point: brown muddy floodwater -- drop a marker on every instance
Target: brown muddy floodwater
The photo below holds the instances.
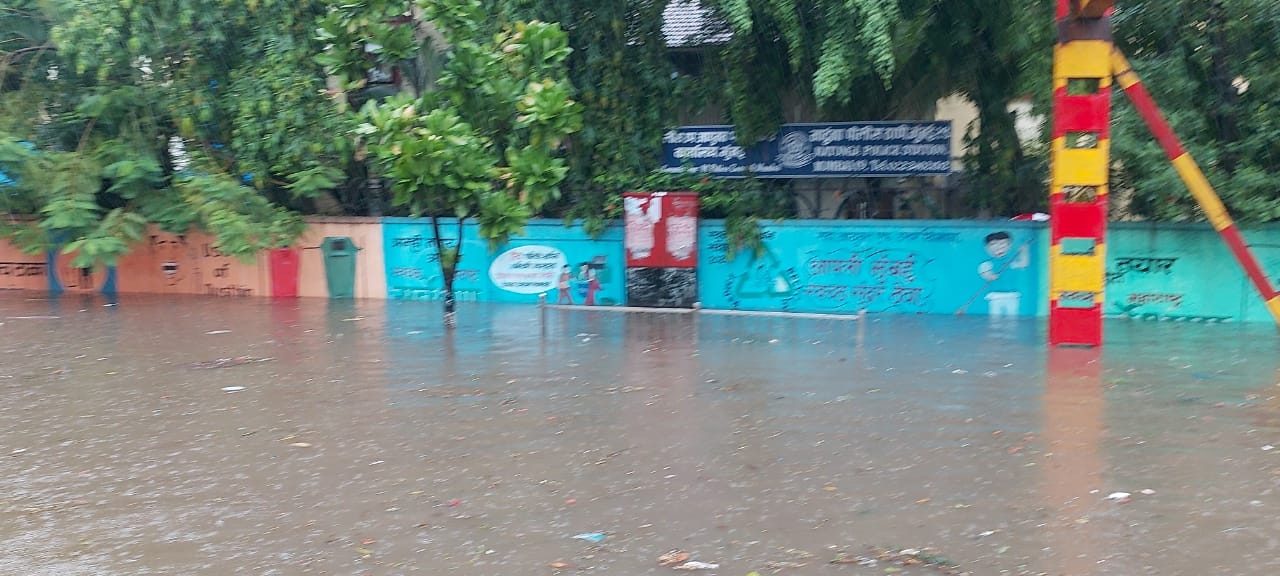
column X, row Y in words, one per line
column 145, row 438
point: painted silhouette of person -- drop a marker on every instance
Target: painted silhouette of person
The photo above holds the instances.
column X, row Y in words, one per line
column 564, row 286
column 590, row 284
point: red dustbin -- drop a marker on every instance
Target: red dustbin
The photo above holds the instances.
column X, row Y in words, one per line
column 285, row 263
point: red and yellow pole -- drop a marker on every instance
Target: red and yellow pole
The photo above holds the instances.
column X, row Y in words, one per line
column 1195, row 180
column 1081, row 159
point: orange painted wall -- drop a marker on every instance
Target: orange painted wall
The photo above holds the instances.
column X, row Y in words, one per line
column 20, row 271
column 164, row 263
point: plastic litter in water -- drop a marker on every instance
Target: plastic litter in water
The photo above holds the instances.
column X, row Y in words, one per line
column 696, row 565
column 232, row 388
column 592, row 537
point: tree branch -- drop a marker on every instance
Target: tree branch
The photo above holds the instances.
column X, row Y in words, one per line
column 29, row 50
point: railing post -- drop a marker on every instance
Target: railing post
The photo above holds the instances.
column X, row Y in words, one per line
column 542, row 313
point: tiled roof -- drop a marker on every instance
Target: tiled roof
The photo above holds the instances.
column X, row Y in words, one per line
column 687, row 23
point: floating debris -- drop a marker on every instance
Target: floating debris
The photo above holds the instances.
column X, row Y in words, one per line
column 912, row 557
column 232, row 388
column 846, row 558
column 674, row 557
column 696, row 565
column 228, row 362
column 1120, row 497
column 592, row 537
column 680, row 560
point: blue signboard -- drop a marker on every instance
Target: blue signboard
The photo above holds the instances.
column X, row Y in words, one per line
column 847, row 149
column 921, row 267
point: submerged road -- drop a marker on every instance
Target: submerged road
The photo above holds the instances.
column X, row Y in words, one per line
column 248, row 436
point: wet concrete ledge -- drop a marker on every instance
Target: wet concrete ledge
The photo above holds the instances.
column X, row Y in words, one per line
column 699, row 310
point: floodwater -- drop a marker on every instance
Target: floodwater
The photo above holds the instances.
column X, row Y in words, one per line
column 365, row 442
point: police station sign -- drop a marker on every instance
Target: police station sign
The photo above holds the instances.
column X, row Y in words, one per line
column 846, row 149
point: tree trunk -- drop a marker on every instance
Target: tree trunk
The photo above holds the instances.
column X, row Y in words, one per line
column 1223, row 112
column 448, row 269
column 450, row 309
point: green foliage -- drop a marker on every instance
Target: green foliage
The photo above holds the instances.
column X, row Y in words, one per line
column 1210, row 67
column 874, row 60
column 439, row 165
column 243, row 221
column 161, row 113
column 743, row 203
column 628, row 91
column 833, row 50
column 484, row 142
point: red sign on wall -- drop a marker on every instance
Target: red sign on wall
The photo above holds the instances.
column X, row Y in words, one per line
column 662, row 229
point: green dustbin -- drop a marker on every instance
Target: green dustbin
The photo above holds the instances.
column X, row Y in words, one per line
column 340, row 266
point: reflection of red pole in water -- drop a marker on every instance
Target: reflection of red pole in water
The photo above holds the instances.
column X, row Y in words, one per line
column 1073, row 428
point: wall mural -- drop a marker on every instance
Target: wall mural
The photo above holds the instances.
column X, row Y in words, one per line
column 189, row 264
column 566, row 264
column 19, row 271
column 924, row 267
column 1183, row 273
column 1154, row 272
column 413, row 263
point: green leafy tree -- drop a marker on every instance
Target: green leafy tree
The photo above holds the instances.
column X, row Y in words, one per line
column 877, row 60
column 1211, row 67
column 184, row 113
column 485, row 140
column 843, row 55
column 629, row 91
column 992, row 52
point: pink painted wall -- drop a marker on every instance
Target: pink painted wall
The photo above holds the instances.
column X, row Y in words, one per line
column 365, row 233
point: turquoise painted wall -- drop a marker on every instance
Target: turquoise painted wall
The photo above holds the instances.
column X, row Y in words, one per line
column 1179, row 272
column 546, row 258
column 930, row 267
column 1184, row 272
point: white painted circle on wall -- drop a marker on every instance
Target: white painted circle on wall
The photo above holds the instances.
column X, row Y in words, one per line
column 528, row 269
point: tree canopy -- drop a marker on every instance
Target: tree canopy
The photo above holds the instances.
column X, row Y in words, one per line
column 485, row 141
column 115, row 114
column 185, row 113
column 1210, row 66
